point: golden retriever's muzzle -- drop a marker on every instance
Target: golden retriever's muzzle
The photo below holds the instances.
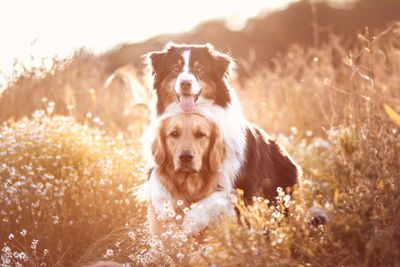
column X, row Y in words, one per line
column 185, row 162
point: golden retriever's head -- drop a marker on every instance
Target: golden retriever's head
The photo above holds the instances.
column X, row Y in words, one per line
column 189, row 143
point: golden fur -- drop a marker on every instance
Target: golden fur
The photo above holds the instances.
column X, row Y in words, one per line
column 193, row 182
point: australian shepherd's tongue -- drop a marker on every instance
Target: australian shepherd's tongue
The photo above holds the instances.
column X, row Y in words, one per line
column 186, row 102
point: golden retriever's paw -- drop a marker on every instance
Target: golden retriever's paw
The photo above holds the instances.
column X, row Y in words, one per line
column 195, row 220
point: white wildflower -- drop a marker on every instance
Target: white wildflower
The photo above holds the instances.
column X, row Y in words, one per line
column 34, row 244
column 131, row 235
column 23, row 232
column 109, row 253
column 186, row 210
column 46, row 252
column 56, row 219
column 171, row 213
column 6, row 249
column 48, row 176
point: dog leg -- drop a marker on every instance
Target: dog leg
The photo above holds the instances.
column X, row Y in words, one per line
column 155, row 225
column 160, row 197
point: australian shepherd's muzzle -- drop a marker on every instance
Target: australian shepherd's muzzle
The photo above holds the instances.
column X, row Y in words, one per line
column 195, row 78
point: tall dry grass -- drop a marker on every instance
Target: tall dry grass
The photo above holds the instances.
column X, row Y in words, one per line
column 78, row 87
column 63, row 186
column 64, row 179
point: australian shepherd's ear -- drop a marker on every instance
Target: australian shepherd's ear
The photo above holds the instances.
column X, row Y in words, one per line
column 224, row 64
column 217, row 152
column 158, row 147
column 154, row 60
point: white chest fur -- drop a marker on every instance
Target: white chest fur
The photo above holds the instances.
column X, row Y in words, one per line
column 232, row 125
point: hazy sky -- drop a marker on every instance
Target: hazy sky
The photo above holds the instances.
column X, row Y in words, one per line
column 44, row 28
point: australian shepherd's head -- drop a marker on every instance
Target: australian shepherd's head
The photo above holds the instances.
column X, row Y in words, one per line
column 190, row 74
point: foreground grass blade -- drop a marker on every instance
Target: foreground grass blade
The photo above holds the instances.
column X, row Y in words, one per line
column 393, row 115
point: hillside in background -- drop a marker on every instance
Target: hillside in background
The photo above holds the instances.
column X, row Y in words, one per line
column 83, row 77
column 264, row 36
column 79, row 82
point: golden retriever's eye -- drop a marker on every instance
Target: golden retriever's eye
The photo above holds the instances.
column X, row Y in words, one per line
column 199, row 134
column 176, row 68
column 174, row 134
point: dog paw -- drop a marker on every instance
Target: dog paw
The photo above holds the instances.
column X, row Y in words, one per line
column 192, row 227
column 195, row 220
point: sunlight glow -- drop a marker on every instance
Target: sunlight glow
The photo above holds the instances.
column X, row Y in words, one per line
column 46, row 28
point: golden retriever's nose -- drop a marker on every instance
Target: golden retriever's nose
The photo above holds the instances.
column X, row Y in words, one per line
column 186, row 156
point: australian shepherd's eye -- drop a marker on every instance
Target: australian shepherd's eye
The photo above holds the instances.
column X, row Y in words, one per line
column 176, row 68
column 174, row 134
column 199, row 70
column 200, row 134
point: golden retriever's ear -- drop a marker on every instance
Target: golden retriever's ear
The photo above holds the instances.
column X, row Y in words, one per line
column 158, row 147
column 217, row 149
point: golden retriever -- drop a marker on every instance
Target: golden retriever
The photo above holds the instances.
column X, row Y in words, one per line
column 188, row 151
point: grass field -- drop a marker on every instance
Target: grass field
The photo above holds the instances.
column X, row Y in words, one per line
column 70, row 159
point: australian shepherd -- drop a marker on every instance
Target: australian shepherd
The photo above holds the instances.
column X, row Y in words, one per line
column 196, row 79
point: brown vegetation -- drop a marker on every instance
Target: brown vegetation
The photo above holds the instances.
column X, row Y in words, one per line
column 65, row 180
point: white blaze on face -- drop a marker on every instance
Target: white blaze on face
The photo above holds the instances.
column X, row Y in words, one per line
column 186, row 59
column 187, row 98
